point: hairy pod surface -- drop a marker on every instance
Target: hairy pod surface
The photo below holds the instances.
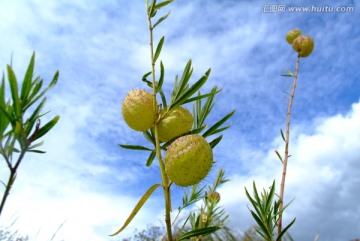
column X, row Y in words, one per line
column 174, row 122
column 292, row 35
column 188, row 160
column 304, row 45
column 138, row 110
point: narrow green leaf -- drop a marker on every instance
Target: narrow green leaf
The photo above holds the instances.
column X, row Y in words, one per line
column 151, row 158
column 47, row 127
column 34, row 116
column 220, row 130
column 199, row 232
column 198, row 130
column 149, row 135
column 37, row 151
column 285, row 230
column 2, row 91
column 256, row 195
column 282, row 134
column 191, row 90
column 14, row 92
column 161, row 79
column 216, row 141
column 279, row 156
column 161, row 20
column 138, row 206
column 218, row 124
column 35, row 88
column 162, row 4
column 35, row 98
column 26, row 85
column 158, row 48
column 151, row 9
column 135, row 147
column 144, row 79
column 5, row 117
column 36, row 145
column 163, row 99
column 200, row 97
column 253, row 202
column 183, row 84
column 270, row 198
column 265, row 231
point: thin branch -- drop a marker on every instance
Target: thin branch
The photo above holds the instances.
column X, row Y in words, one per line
column 165, row 179
column 287, row 140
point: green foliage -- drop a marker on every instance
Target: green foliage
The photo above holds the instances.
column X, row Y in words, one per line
column 19, row 129
column 210, row 217
column 267, row 213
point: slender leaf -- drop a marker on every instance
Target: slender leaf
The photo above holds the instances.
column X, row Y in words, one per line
column 162, row 4
column 285, row 230
column 5, row 117
column 282, row 134
column 216, row 141
column 201, row 97
column 35, row 88
column 14, row 92
column 220, row 130
column 270, row 197
column 191, row 90
column 26, row 85
column 161, row 79
column 149, row 135
column 163, row 98
column 161, row 19
column 158, row 48
column 198, row 130
column 35, row 98
column 138, row 206
column 183, row 84
column 135, row 147
column 37, row 151
column 279, row 156
column 265, row 231
column 34, row 116
column 218, row 124
column 47, row 127
column 151, row 9
column 151, row 158
column 144, row 79
column 36, row 145
column 199, row 232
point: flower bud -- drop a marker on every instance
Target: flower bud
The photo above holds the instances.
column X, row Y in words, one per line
column 214, row 197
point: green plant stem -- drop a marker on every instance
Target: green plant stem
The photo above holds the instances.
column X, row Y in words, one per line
column 165, row 179
column 287, row 140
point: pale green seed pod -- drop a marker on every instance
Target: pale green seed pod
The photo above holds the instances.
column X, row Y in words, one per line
column 292, row 35
column 304, row 45
column 138, row 110
column 188, row 160
column 174, row 122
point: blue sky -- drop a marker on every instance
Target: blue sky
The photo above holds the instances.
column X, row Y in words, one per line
column 101, row 50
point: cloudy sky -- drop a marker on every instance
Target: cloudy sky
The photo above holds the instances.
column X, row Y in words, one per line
column 88, row 184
